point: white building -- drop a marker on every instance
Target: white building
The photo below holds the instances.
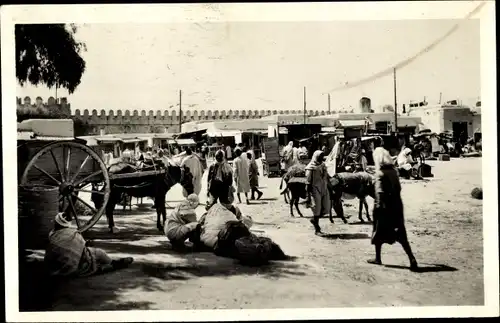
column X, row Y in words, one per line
column 449, row 118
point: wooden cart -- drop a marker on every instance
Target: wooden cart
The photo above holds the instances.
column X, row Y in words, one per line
column 75, row 169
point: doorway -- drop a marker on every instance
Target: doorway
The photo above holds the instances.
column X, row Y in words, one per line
column 460, row 131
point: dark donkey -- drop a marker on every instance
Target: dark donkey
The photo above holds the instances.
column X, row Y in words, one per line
column 359, row 184
column 155, row 186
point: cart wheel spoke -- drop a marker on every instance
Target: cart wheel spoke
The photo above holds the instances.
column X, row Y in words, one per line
column 73, row 209
column 91, row 192
column 47, row 174
column 82, row 177
column 67, row 163
column 85, row 203
column 88, row 177
column 57, row 165
column 80, row 169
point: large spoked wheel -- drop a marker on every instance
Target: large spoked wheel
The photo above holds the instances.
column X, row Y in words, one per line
column 79, row 173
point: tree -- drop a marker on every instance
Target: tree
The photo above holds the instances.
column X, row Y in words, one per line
column 49, row 54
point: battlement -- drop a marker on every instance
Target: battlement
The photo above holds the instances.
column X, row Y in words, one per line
column 38, row 101
column 168, row 116
column 93, row 121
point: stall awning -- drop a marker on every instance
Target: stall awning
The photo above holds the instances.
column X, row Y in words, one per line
column 224, row 133
column 328, row 129
column 132, row 140
column 163, row 136
column 108, row 140
column 190, row 133
column 283, row 131
column 352, row 123
column 181, row 142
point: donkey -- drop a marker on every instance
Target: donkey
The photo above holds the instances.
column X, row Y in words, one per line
column 155, row 186
column 344, row 184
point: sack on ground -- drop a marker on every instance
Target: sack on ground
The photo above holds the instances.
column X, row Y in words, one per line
column 225, row 245
column 253, row 250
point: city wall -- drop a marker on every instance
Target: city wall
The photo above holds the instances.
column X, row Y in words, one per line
column 157, row 121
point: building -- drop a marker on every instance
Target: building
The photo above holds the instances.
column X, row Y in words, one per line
column 380, row 122
column 449, row 117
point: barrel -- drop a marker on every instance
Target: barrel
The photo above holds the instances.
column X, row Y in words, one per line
column 38, row 205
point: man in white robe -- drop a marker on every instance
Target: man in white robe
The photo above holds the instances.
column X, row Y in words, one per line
column 196, row 169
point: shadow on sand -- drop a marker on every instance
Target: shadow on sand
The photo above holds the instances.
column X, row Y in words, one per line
column 344, row 236
column 129, row 231
column 361, row 223
column 157, row 268
column 426, row 268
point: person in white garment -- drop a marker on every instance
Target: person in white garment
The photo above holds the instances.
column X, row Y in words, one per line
column 196, row 168
column 240, row 172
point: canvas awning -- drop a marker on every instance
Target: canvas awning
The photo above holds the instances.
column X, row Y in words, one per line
column 328, row 129
column 181, row 142
column 163, row 136
column 132, row 140
column 352, row 123
column 283, row 131
column 108, row 140
column 224, row 133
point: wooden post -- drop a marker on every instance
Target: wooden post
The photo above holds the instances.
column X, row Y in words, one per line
column 304, row 105
column 180, row 111
column 328, row 103
column 395, row 105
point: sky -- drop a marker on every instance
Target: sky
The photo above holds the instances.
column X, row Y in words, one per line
column 265, row 65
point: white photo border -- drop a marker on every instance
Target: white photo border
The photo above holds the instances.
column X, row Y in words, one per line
column 163, row 13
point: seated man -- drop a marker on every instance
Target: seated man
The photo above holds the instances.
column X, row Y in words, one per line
column 405, row 163
column 181, row 223
column 68, row 254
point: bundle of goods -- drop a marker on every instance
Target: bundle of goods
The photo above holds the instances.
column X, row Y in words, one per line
column 297, row 170
column 477, row 193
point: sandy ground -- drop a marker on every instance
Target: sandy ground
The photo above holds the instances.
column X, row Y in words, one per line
column 444, row 227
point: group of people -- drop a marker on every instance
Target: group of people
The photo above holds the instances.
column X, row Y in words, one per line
column 388, row 215
column 244, row 174
column 222, row 229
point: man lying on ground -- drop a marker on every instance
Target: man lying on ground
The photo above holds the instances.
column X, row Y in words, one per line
column 68, row 254
column 226, row 231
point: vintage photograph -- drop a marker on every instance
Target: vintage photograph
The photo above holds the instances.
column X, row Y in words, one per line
column 225, row 163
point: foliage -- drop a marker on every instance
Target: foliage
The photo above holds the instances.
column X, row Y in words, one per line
column 49, row 54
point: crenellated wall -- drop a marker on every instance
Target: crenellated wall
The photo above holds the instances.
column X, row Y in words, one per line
column 27, row 103
column 154, row 120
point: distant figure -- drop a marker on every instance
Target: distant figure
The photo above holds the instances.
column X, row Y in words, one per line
column 204, row 150
column 220, row 179
column 288, row 156
column 240, row 172
column 176, row 151
column 254, row 176
column 195, row 166
column 362, row 161
column 229, row 153
column 388, row 218
column 303, row 153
